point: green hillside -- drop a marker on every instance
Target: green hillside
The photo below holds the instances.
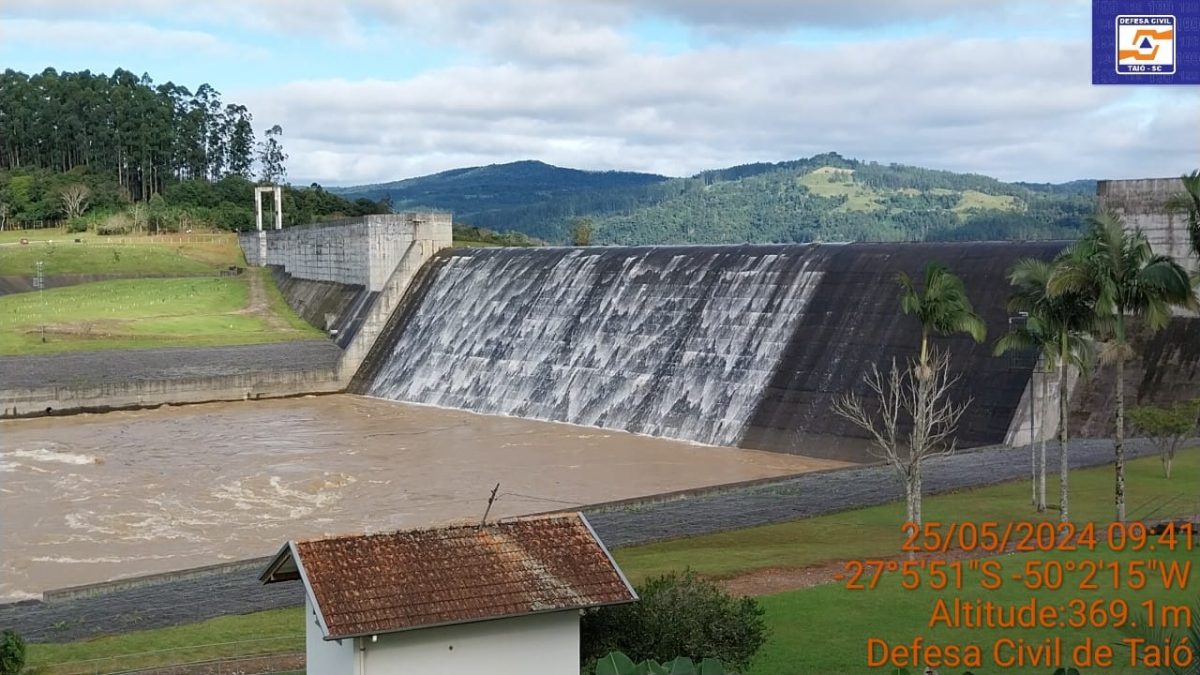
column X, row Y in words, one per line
column 495, row 188
column 823, row 198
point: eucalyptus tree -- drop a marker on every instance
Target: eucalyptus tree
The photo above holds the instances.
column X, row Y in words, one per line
column 1057, row 328
column 1126, row 278
column 271, row 157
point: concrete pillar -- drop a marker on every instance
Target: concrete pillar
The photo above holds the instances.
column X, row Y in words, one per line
column 278, row 208
column 258, row 209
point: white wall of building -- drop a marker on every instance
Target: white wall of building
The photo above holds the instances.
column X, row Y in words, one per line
column 547, row 644
column 325, row 658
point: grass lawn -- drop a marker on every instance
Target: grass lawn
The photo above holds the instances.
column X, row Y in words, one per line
column 825, row 629
column 875, row 531
column 60, row 254
column 143, row 313
column 270, row 632
column 815, row 630
column 278, row 305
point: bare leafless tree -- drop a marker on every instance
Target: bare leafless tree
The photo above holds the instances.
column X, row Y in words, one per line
column 912, row 420
column 3, row 216
column 75, row 199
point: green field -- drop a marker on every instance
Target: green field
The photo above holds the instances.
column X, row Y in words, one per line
column 973, row 200
column 830, row 182
column 245, row 635
column 825, row 629
column 875, row 531
column 814, row 630
column 144, row 313
column 60, row 254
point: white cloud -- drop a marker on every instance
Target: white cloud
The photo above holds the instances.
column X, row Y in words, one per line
column 454, row 19
column 110, row 35
column 1017, row 110
column 565, row 82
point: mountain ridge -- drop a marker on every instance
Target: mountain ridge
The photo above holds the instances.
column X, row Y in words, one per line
column 826, row 197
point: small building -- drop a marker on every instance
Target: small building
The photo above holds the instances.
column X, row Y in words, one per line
column 491, row 599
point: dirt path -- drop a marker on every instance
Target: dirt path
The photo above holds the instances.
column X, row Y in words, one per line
column 258, row 305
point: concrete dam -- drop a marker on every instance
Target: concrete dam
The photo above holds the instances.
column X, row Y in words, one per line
column 727, row 345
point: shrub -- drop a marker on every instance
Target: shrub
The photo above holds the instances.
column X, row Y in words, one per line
column 12, row 653
column 112, row 230
column 117, row 223
column 616, row 663
column 678, row 615
column 1167, row 428
column 77, row 225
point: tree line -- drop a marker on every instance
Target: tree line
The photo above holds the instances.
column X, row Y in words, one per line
column 76, row 143
column 1078, row 310
column 147, row 134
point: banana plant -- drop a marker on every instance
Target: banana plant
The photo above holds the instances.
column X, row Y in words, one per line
column 616, row 663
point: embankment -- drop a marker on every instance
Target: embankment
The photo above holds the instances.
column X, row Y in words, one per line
column 105, row 380
column 345, row 277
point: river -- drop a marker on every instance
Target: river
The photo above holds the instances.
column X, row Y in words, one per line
column 91, row 498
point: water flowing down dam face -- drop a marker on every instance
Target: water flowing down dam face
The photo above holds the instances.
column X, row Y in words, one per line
column 741, row 345
column 674, row 342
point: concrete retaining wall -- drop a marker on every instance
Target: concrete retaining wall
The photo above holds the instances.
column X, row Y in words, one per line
column 32, row 401
column 360, row 251
column 382, row 253
column 1143, row 203
column 1165, row 368
column 338, row 309
column 1043, row 420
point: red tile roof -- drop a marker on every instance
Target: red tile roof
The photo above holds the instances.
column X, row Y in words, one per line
column 381, row 583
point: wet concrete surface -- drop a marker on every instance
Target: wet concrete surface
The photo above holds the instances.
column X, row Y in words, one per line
column 122, row 366
column 773, row 501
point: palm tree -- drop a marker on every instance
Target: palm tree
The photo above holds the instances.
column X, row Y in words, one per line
column 942, row 307
column 1126, row 278
column 1189, row 202
column 1057, row 328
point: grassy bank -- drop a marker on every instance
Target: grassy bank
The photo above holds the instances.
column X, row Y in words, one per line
column 875, row 531
column 228, row 636
column 825, row 629
column 814, row 630
column 60, row 254
column 145, row 313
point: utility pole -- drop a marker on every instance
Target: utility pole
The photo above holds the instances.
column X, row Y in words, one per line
column 489, row 506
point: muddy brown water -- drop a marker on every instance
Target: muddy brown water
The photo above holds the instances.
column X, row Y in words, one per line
column 91, row 498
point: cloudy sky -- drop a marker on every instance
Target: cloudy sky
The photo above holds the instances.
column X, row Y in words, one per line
column 376, row 90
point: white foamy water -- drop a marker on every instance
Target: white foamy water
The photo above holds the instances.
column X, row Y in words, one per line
column 648, row 340
column 47, row 456
column 276, row 500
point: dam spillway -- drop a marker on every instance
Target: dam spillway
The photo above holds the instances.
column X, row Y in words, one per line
column 726, row 345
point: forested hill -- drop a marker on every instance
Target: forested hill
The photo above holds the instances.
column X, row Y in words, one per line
column 823, row 198
column 497, row 187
